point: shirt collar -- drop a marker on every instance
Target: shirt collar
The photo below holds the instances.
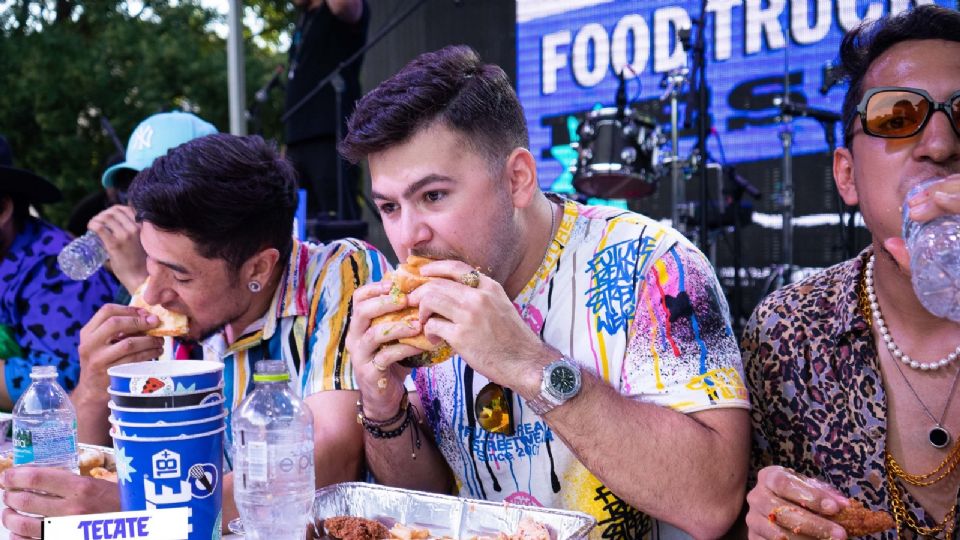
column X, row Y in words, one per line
column 289, row 300
column 847, row 310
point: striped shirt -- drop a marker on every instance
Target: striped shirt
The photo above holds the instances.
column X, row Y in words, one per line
column 306, row 325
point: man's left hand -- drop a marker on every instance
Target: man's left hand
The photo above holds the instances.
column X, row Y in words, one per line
column 481, row 324
column 50, row 492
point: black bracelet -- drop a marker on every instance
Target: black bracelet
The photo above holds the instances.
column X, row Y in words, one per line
column 411, row 417
column 368, row 422
column 378, row 433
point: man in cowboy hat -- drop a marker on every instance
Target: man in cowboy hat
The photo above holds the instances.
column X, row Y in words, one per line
column 41, row 309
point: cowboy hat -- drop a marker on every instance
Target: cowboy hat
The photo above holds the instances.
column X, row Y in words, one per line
column 13, row 181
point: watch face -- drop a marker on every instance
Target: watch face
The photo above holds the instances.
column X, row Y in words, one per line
column 564, row 380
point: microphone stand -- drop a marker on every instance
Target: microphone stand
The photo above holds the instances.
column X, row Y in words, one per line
column 828, row 122
column 673, row 83
column 335, row 79
column 703, row 118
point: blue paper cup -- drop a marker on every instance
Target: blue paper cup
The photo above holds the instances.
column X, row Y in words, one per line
column 173, row 472
column 147, row 401
column 165, row 377
column 180, row 414
column 168, row 429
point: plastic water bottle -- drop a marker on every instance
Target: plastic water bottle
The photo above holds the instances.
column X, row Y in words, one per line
column 934, row 248
column 45, row 424
column 83, row 256
column 273, row 482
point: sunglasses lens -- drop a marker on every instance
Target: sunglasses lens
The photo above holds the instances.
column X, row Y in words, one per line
column 493, row 409
column 896, row 113
column 955, row 111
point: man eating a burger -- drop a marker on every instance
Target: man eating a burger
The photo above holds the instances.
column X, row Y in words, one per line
column 217, row 215
column 594, row 366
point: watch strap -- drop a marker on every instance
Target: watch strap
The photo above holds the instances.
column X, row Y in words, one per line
column 542, row 404
column 548, row 398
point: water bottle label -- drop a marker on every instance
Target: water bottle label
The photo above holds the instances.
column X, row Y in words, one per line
column 22, row 446
column 257, row 460
column 47, row 444
column 291, row 458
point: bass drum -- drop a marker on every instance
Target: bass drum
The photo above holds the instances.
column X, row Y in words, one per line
column 618, row 155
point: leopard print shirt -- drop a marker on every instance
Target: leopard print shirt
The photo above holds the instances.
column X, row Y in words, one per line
column 819, row 406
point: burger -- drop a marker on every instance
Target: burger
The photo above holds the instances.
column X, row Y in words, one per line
column 406, row 279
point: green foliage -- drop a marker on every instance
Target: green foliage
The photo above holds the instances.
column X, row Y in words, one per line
column 65, row 65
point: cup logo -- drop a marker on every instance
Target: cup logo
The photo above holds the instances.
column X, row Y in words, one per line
column 166, row 464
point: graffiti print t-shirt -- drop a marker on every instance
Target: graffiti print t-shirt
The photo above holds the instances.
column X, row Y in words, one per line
column 632, row 302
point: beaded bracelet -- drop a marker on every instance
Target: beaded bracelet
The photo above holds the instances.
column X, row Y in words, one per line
column 410, row 417
column 368, row 422
column 378, row 433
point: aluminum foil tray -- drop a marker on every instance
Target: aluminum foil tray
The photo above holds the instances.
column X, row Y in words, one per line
column 443, row 515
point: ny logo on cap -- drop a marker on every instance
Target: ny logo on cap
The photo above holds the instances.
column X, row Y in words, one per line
column 142, row 138
column 166, row 464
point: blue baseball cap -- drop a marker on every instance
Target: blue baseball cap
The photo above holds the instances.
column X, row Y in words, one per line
column 154, row 136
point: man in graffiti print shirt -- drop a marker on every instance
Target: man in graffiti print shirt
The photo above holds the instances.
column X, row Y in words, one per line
column 654, row 437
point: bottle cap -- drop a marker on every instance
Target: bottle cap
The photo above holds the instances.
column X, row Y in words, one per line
column 270, row 371
column 37, row 372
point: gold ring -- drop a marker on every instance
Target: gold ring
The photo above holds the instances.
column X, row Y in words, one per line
column 378, row 366
column 382, row 383
column 471, row 279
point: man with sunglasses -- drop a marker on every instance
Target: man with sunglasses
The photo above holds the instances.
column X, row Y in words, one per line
column 596, row 367
column 852, row 381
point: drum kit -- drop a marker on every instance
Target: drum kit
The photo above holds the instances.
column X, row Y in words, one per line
column 619, row 155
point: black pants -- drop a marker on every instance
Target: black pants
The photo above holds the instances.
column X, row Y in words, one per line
column 316, row 163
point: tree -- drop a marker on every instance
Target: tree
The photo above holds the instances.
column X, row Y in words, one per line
column 67, row 64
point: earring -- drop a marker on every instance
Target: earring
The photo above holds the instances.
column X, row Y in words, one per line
column 254, row 286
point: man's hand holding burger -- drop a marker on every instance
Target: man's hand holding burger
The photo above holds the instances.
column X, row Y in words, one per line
column 453, row 304
column 374, row 349
column 481, row 324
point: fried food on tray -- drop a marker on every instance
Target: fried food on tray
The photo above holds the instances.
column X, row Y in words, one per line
column 403, row 532
column 357, row 528
column 6, row 462
column 527, row 529
column 856, row 519
column 92, row 462
column 531, row 529
column 103, row 474
column 860, row 521
column 89, row 459
column 354, row 528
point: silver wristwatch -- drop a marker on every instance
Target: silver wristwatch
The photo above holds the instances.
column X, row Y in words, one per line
column 560, row 383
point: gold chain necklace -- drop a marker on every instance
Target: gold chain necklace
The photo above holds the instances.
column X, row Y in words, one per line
column 894, row 471
column 900, row 513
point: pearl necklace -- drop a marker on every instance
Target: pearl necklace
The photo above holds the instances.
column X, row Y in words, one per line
column 885, row 333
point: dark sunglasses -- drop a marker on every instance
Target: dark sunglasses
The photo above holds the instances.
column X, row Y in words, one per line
column 894, row 112
column 493, row 409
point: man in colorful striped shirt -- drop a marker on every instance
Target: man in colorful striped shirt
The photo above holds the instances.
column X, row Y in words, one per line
column 217, row 214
